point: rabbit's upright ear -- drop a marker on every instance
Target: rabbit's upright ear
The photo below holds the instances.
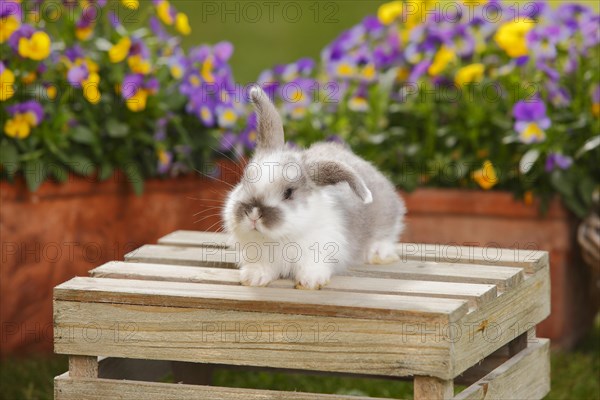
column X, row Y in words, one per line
column 331, row 172
column 269, row 125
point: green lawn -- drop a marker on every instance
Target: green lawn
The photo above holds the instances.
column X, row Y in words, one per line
column 575, row 375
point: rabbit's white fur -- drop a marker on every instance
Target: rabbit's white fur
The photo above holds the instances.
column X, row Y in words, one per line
column 308, row 214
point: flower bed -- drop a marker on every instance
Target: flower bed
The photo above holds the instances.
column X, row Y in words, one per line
column 472, row 95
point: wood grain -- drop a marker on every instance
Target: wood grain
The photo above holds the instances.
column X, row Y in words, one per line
column 475, row 294
column 525, row 376
column 353, row 345
column 68, row 388
column 530, row 259
column 259, row 299
column 503, row 277
column 428, row 388
column 83, row 366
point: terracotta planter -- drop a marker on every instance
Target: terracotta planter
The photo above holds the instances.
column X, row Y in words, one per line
column 64, row 230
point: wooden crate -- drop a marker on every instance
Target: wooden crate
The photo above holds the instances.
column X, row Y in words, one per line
column 442, row 314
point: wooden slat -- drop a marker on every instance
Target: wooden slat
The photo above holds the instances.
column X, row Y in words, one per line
column 258, row 299
column 177, row 255
column 316, row 343
column 475, row 294
column 529, row 259
column 498, row 322
column 83, row 366
column 503, row 277
column 67, row 388
column 524, row 376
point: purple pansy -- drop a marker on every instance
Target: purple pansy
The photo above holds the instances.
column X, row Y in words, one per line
column 531, row 120
column 30, row 107
column 557, row 160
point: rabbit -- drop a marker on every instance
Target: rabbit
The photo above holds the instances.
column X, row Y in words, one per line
column 308, row 214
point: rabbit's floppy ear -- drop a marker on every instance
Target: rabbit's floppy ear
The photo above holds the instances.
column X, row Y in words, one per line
column 269, row 125
column 331, row 172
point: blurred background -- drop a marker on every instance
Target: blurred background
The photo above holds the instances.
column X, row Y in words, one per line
column 101, row 223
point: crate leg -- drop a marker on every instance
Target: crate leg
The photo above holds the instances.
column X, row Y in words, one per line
column 429, row 388
column 83, row 367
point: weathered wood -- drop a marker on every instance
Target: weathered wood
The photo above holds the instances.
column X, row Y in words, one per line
column 258, row 299
column 525, row 376
column 530, row 259
column 503, row 277
column 475, row 294
column 353, row 345
column 428, row 388
column 496, row 323
column 83, row 366
column 67, row 388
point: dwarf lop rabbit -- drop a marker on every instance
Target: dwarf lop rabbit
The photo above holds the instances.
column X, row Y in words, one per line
column 305, row 214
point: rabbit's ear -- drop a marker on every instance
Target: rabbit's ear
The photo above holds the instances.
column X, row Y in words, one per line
column 331, row 172
column 269, row 125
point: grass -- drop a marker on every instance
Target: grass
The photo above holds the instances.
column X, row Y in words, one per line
column 575, row 376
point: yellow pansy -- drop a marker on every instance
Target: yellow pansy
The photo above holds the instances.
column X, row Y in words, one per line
column 469, row 74
column 29, row 78
column 389, row 12
column 85, row 32
column 368, row 72
column 7, row 88
column 345, row 70
column 511, row 37
column 486, row 177
column 441, row 60
column 358, row 104
column 131, row 4
column 182, row 24
column 532, row 134
column 17, row 127
column 120, row 50
column 137, row 102
column 51, row 92
column 206, row 72
column 90, row 87
column 176, row 71
column 163, row 10
column 37, row 47
column 8, row 25
column 596, row 110
column 139, row 65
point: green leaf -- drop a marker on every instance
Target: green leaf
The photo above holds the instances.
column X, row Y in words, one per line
column 82, row 165
column 59, row 172
column 116, row 129
column 586, row 190
column 35, row 173
column 9, row 158
column 82, row 134
column 106, row 171
column 134, row 175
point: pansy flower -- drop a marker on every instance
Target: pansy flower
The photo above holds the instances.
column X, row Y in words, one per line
column 596, row 100
column 32, row 44
column 557, row 160
column 7, row 80
column 486, row 177
column 24, row 117
column 358, row 101
column 542, row 41
column 512, row 37
column 135, row 91
column 10, row 19
column 165, row 159
column 531, row 120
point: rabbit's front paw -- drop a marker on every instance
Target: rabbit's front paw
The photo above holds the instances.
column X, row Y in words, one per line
column 256, row 275
column 312, row 279
column 382, row 253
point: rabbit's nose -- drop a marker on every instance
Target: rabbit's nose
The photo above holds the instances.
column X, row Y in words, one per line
column 255, row 214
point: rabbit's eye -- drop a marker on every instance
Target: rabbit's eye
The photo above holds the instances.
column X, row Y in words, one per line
column 288, row 193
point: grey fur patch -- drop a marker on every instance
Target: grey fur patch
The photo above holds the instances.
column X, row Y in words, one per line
column 270, row 216
column 269, row 125
column 325, row 173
